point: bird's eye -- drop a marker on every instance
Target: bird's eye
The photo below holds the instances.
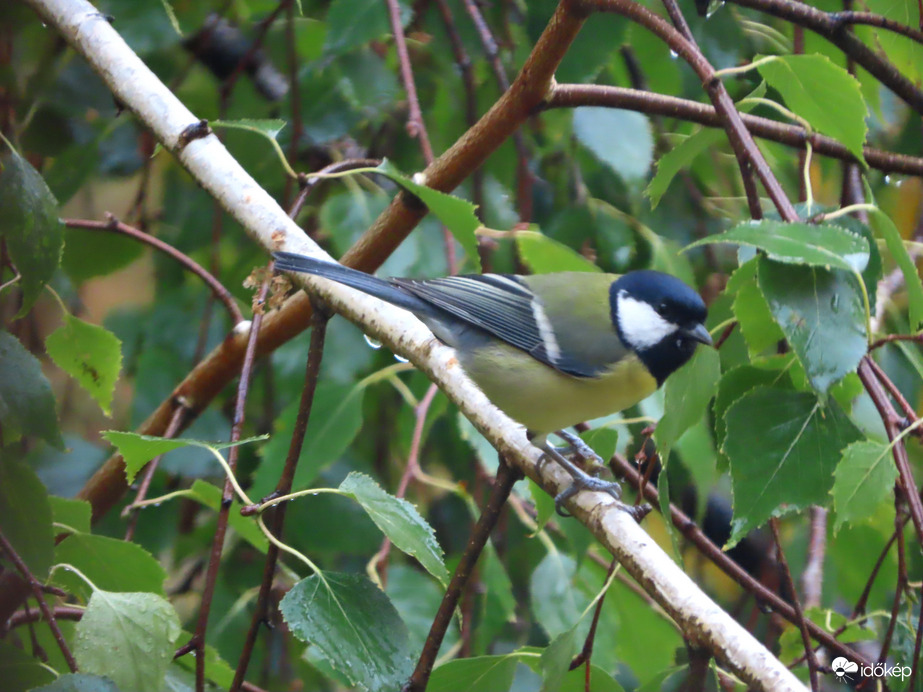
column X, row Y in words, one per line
column 679, row 343
column 662, row 309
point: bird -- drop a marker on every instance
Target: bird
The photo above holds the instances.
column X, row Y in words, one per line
column 549, row 350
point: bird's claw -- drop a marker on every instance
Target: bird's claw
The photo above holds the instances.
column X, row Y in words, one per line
column 586, row 482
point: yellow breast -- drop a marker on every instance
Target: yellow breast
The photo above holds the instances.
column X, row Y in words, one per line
column 544, row 399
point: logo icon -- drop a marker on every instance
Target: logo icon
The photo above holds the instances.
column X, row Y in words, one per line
column 842, row 667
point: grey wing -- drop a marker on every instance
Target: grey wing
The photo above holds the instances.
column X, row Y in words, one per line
column 503, row 306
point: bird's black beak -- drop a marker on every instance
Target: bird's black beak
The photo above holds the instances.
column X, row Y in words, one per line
column 698, row 333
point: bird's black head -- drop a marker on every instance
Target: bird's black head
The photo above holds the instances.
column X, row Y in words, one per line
column 659, row 318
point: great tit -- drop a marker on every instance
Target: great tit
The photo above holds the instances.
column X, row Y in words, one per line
column 550, row 350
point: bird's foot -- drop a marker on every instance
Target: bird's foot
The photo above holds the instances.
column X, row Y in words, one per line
column 584, row 481
column 576, row 445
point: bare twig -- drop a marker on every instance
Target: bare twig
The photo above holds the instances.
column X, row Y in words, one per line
column 506, row 476
column 892, row 423
column 799, row 611
column 587, row 651
column 834, row 30
column 172, row 429
column 227, row 496
column 115, row 226
column 622, row 468
column 410, row 470
column 574, row 95
column 742, row 143
column 283, row 487
column 36, row 587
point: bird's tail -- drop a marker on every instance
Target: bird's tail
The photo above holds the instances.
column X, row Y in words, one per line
column 380, row 288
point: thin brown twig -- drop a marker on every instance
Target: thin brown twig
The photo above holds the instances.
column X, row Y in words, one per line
column 623, row 469
column 523, row 174
column 132, row 509
column 318, row 177
column 574, row 95
column 826, row 25
column 507, row 475
column 471, row 95
column 796, row 602
column 411, row 469
column 284, row 486
column 892, row 389
column 21, row 617
column 227, row 496
column 262, row 28
column 901, row 579
column 878, row 21
column 742, row 143
column 892, row 421
column 36, row 587
column 115, row 226
column 587, row 651
column 416, row 128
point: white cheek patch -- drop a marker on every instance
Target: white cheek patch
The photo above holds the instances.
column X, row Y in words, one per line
column 641, row 326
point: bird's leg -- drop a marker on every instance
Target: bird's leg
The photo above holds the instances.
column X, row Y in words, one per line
column 583, row 480
column 576, row 445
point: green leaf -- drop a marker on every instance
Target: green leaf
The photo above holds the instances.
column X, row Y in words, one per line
column 783, row 447
column 352, row 23
column 129, row 638
column 88, row 254
column 555, row 601
column 757, row 325
column 20, row 671
column 679, row 158
column 600, row 681
column 544, row 504
column 30, row 226
column 822, row 93
column 478, row 674
column 556, row 660
column 80, row 682
column 499, row 602
column 544, row 255
column 26, row 402
column 618, row 138
column 90, row 354
column 336, row 418
column 686, row 395
column 399, row 521
column 137, row 449
column 97, row 557
column 458, row 215
column 822, row 315
column 354, row 626
column 905, row 53
column 269, row 129
column 742, row 379
column 892, row 237
column 25, row 516
column 74, row 514
column 799, row 243
column 863, row 481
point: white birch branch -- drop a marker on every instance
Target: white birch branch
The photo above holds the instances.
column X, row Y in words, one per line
column 703, row 622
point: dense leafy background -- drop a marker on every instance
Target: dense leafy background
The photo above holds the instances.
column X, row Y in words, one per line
column 99, row 330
